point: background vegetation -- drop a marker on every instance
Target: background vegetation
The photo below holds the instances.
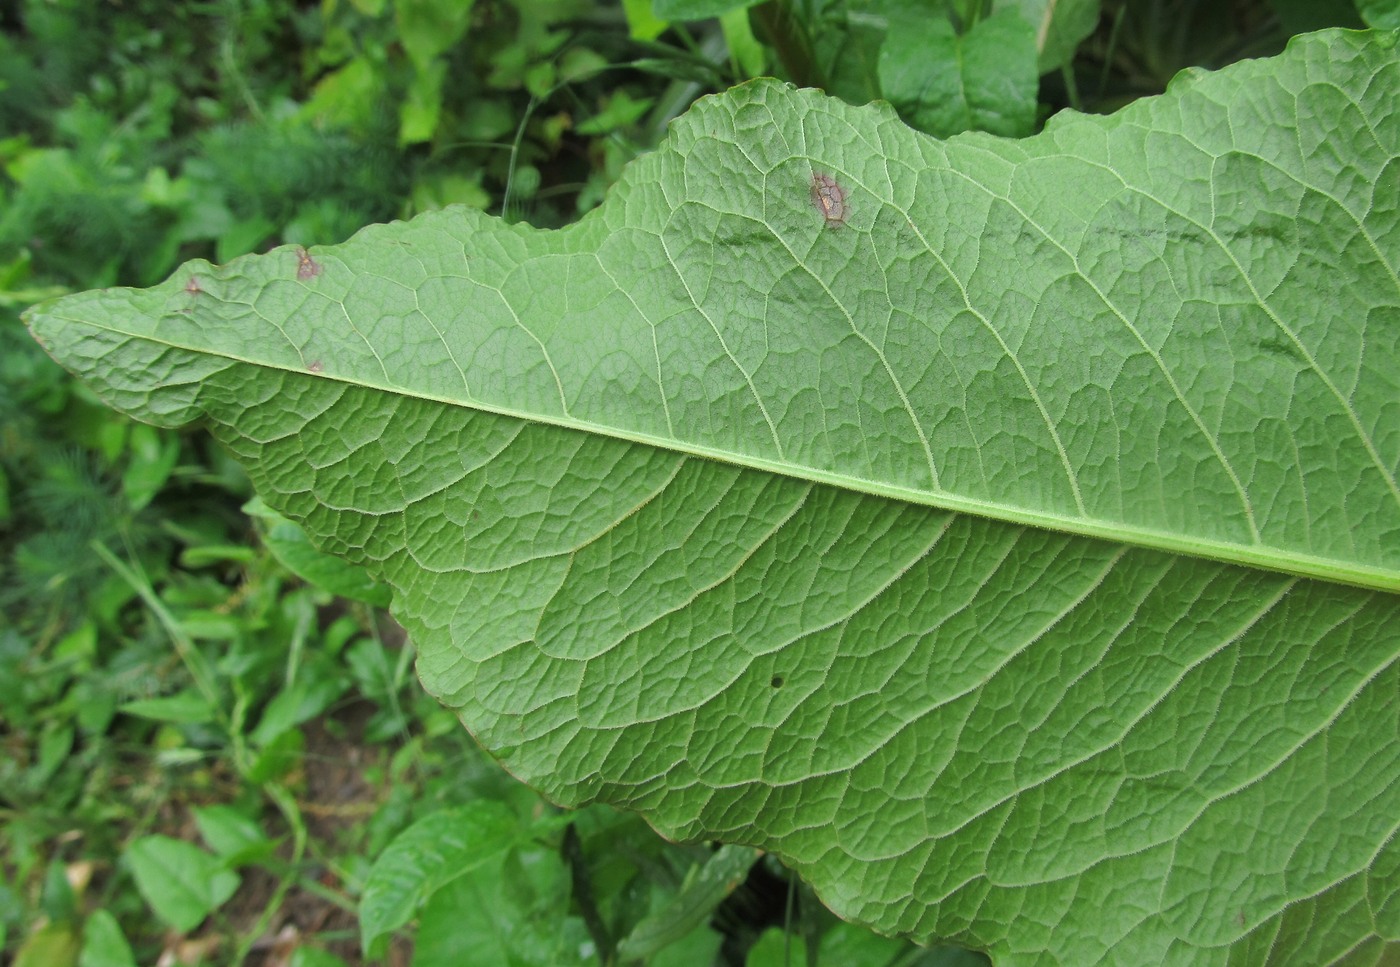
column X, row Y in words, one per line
column 213, row 748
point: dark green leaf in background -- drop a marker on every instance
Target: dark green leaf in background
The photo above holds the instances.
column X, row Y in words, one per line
column 104, row 944
column 429, row 28
column 182, row 883
column 693, row 9
column 299, row 702
column 1380, row 13
column 187, row 706
column 313, row 957
column 427, row 856
column 692, row 905
column 232, row 834
column 1058, row 25
column 50, row 945
column 1298, row 16
column 515, row 910
column 944, row 83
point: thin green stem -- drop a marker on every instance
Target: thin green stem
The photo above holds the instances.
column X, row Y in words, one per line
column 287, row 806
column 1110, row 52
column 787, row 35
column 787, row 920
column 572, row 848
column 194, row 661
column 1071, row 86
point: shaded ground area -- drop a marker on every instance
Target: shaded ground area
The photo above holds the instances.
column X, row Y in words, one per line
column 317, row 909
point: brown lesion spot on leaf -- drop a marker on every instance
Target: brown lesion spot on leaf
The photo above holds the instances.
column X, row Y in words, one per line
column 829, row 198
column 192, row 286
column 307, row 267
column 314, row 366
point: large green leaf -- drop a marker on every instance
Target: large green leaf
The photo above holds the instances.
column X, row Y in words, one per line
column 718, row 505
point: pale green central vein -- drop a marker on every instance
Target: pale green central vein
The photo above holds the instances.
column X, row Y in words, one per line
column 1270, row 558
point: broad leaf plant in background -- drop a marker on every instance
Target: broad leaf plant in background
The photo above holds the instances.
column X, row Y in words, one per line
column 1003, row 533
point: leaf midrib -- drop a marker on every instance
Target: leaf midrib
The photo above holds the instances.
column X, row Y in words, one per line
column 1267, row 558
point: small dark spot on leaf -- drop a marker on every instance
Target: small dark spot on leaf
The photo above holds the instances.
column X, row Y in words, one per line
column 192, row 286
column 1277, row 233
column 314, row 366
column 1239, row 918
column 777, row 681
column 1278, row 347
column 307, row 267
column 829, row 198
column 743, row 239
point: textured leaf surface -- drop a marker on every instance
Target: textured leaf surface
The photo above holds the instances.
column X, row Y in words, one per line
column 290, row 545
column 1175, row 327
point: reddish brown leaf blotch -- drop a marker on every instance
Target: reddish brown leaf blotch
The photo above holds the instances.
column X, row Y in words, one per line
column 192, row 286
column 829, row 198
column 307, row 267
